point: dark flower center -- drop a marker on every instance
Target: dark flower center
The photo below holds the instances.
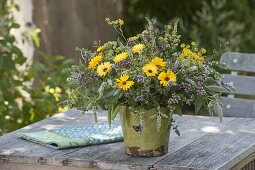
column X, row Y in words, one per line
column 124, row 83
column 150, row 71
column 167, row 78
column 105, row 69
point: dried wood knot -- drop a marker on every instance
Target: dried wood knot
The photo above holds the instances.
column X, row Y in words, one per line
column 42, row 161
column 65, row 162
column 93, row 164
column 4, row 158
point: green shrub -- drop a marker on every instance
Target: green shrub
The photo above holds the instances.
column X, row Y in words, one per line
column 218, row 21
column 22, row 103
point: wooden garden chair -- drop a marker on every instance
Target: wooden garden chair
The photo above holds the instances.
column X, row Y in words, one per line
column 240, row 103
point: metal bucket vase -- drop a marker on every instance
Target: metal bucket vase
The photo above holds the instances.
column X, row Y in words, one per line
column 146, row 141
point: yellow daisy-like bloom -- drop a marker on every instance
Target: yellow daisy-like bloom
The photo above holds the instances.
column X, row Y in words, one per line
column 203, row 51
column 166, row 77
column 138, row 48
column 183, row 45
column 158, row 62
column 123, row 82
column 100, row 48
column 95, row 61
column 104, row 68
column 188, row 53
column 120, row 57
column 150, row 70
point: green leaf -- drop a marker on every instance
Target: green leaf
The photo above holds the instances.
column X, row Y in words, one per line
column 117, row 92
column 7, row 63
column 14, row 25
column 21, row 59
column 115, row 111
column 114, row 99
column 210, row 81
column 198, row 103
column 16, row 50
column 215, row 88
column 109, row 92
column 39, row 66
column 109, row 116
column 178, row 110
column 35, row 37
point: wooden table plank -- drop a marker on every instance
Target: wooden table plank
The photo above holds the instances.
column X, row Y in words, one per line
column 201, row 145
column 217, row 151
column 191, row 130
column 27, row 152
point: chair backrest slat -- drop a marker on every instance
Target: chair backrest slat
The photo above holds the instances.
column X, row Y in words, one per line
column 236, row 107
column 243, row 84
column 239, row 61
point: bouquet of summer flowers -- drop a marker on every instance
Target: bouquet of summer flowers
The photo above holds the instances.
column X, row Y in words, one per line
column 152, row 70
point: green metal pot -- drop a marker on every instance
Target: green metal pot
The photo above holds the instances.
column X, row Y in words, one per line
column 146, row 141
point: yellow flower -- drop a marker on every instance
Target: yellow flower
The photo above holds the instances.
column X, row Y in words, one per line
column 183, row 45
column 198, row 57
column 150, row 70
column 186, row 52
column 203, row 51
column 104, row 68
column 95, row 61
column 158, row 62
column 100, row 48
column 166, row 77
column 138, row 47
column 193, row 43
column 120, row 57
column 123, row 82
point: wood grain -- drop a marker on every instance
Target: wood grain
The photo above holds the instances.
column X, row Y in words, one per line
column 13, row 166
column 176, row 142
column 218, row 150
column 237, row 107
column 204, row 142
column 243, row 84
column 250, row 160
column 239, row 61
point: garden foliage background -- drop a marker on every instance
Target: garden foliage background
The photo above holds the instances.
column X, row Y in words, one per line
column 212, row 23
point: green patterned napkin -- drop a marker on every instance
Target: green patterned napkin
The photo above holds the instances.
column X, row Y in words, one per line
column 76, row 136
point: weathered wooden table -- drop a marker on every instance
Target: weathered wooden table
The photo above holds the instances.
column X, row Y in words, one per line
column 205, row 143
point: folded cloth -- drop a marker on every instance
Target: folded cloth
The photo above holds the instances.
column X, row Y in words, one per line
column 91, row 134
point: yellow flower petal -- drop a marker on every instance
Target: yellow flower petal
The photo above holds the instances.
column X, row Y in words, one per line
column 150, row 70
column 194, row 56
column 95, row 61
column 104, row 68
column 203, row 51
column 158, row 62
column 183, row 45
column 138, row 48
column 120, row 57
column 123, row 82
column 100, row 48
column 166, row 77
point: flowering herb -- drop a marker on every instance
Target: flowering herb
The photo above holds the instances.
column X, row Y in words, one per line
column 150, row 70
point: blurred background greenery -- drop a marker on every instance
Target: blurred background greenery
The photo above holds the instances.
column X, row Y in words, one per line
column 30, row 90
column 22, row 102
column 209, row 22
